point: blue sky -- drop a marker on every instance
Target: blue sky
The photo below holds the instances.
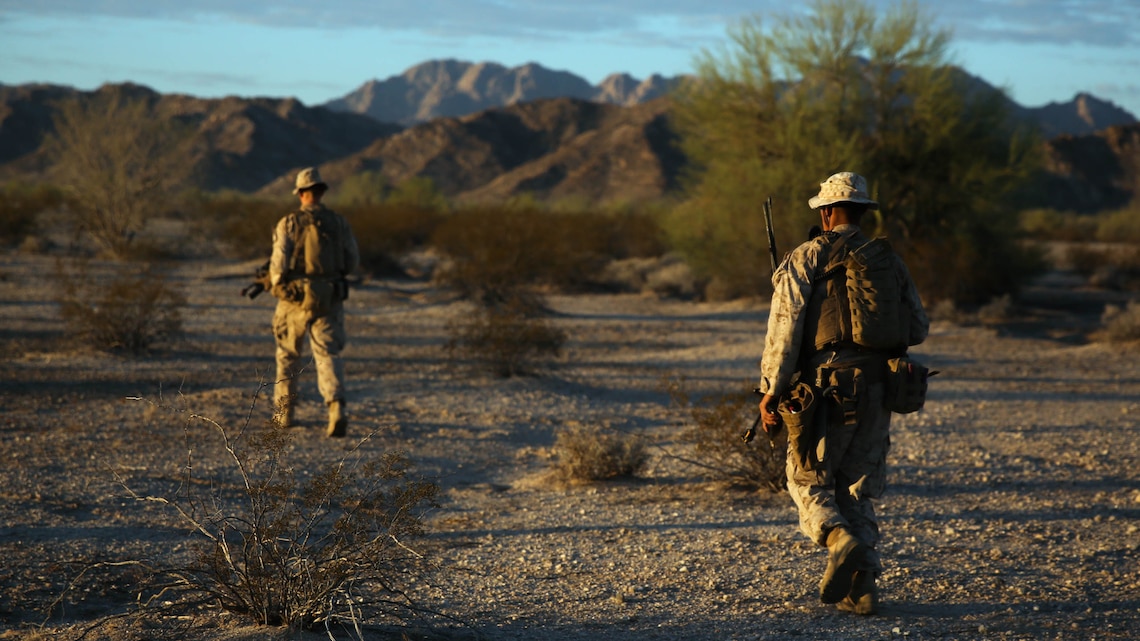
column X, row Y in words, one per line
column 1039, row 50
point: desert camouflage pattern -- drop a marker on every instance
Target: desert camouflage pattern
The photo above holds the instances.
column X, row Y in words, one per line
column 837, row 466
column 292, row 324
column 836, row 486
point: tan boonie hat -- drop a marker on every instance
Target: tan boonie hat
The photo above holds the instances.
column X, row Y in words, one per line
column 308, row 177
column 844, row 187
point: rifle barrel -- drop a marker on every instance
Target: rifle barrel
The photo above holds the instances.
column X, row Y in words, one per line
column 771, row 233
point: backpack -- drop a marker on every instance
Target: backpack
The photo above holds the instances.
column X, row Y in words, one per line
column 318, row 260
column 859, row 298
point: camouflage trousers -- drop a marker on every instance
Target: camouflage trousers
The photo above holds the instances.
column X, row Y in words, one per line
column 326, row 336
column 836, row 472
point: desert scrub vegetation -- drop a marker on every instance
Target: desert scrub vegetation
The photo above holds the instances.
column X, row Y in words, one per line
column 241, row 226
column 713, row 431
column 119, row 162
column 20, row 205
column 493, row 249
column 1122, row 324
column 510, row 336
column 330, row 551
column 588, row 453
column 130, row 308
column 946, row 165
column 387, row 230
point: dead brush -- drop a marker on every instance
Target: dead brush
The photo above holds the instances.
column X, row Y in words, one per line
column 507, row 338
column 586, row 454
column 1122, row 324
column 713, row 432
column 130, row 310
column 333, row 550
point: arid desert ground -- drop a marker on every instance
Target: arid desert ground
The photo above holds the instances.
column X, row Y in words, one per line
column 1013, row 510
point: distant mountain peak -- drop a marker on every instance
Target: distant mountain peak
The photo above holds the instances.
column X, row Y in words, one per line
column 452, row 88
column 1083, row 114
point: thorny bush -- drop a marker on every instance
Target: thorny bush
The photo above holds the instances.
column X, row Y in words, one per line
column 129, row 309
column 589, row 453
column 508, row 338
column 332, row 549
column 1122, row 324
column 716, row 423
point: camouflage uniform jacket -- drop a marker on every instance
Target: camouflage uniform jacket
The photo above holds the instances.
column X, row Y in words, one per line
column 793, row 283
column 283, row 245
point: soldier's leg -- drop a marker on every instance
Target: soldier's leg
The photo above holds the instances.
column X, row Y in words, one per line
column 861, row 477
column 327, row 337
column 289, row 333
column 861, row 474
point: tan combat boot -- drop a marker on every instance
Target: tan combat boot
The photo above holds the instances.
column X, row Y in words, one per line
column 338, row 423
column 845, row 555
column 864, row 596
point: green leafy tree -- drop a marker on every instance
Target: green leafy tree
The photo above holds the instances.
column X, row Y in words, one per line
column 841, row 87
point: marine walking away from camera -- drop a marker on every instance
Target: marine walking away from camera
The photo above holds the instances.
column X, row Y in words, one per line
column 844, row 311
column 314, row 251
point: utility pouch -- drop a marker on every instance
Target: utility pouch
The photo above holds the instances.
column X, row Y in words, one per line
column 292, row 291
column 797, row 409
column 318, row 297
column 905, row 389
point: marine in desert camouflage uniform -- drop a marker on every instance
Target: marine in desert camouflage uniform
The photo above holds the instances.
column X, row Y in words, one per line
column 834, row 484
column 292, row 321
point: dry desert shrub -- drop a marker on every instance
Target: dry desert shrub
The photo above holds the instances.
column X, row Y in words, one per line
column 121, row 163
column 240, row 226
column 1108, row 266
column 385, row 231
column 587, row 454
column 1122, row 324
column 495, row 248
column 131, row 309
column 508, row 338
column 20, row 204
column 330, row 549
column 714, row 430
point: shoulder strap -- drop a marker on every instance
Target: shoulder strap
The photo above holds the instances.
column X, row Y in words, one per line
column 301, row 220
column 834, row 263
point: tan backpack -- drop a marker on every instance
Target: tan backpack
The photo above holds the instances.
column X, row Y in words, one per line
column 318, row 260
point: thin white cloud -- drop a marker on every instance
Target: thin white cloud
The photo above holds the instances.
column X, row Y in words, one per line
column 1097, row 22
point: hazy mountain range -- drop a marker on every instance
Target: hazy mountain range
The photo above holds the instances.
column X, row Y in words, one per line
column 487, row 132
column 450, row 88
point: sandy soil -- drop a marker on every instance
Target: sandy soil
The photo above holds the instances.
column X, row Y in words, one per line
column 1012, row 512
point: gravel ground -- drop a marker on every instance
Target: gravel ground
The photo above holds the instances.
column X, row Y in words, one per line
column 1012, row 511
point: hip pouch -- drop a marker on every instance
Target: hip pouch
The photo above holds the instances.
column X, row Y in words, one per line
column 905, row 389
column 798, row 410
column 318, row 298
column 292, row 291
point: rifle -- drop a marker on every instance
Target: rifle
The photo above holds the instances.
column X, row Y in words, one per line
column 771, row 233
column 260, row 282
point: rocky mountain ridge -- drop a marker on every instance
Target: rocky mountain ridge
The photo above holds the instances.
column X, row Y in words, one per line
column 558, row 148
column 452, row 88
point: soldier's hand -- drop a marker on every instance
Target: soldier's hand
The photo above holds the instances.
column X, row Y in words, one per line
column 769, row 418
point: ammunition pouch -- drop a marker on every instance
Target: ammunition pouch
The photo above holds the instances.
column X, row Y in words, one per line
column 798, row 409
column 905, row 389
